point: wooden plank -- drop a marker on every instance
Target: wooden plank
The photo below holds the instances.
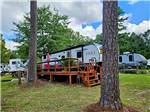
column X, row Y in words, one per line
column 100, row 72
column 51, row 77
column 70, row 79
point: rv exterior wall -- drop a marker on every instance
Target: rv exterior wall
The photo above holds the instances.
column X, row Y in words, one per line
column 91, row 51
column 148, row 62
column 132, row 59
column 15, row 65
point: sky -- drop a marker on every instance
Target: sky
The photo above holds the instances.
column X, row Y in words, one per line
column 85, row 16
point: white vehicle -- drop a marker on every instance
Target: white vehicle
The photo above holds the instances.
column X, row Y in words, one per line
column 84, row 53
column 1, row 68
column 4, row 68
column 14, row 66
column 148, row 63
column 132, row 59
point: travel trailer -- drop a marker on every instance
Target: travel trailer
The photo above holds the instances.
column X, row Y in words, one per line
column 14, row 66
column 17, row 65
column 84, row 53
column 148, row 63
column 88, row 52
column 132, row 59
column 4, row 68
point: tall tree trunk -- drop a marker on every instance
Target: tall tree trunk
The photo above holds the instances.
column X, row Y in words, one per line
column 110, row 93
column 32, row 42
column 19, row 77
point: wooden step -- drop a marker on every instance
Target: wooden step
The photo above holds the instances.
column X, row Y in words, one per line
column 90, row 76
column 94, row 84
column 86, row 78
column 86, row 72
column 91, row 82
column 94, row 80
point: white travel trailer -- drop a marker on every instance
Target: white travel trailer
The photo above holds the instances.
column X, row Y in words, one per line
column 148, row 63
column 4, row 68
column 84, row 53
column 132, row 59
column 17, row 65
column 14, row 66
column 88, row 52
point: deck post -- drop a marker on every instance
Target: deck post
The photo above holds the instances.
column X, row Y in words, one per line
column 51, row 77
column 70, row 79
column 100, row 71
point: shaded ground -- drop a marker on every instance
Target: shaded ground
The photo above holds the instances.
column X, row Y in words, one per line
column 54, row 97
column 96, row 108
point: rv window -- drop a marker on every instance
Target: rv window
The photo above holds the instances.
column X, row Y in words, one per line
column 130, row 57
column 120, row 58
column 68, row 54
column 79, row 54
column 23, row 62
column 62, row 57
column 44, row 57
column 13, row 62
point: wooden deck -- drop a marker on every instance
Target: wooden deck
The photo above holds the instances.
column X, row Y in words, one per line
column 88, row 74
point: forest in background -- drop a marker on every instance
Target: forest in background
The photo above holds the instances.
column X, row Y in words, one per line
column 53, row 34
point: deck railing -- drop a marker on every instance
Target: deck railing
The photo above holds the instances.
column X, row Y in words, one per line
column 69, row 67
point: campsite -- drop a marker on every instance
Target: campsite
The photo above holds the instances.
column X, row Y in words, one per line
column 75, row 56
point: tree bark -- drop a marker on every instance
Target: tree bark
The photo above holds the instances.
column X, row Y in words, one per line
column 19, row 78
column 32, row 43
column 110, row 93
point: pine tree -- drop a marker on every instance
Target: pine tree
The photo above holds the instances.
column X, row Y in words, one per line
column 110, row 93
column 33, row 43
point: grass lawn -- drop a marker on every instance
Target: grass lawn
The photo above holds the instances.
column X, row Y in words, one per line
column 135, row 92
column 7, row 77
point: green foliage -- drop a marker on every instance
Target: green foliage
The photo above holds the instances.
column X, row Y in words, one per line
column 5, row 53
column 130, row 42
column 121, row 20
column 98, row 38
column 52, row 33
column 68, row 62
column 121, row 26
column 6, row 77
column 134, row 43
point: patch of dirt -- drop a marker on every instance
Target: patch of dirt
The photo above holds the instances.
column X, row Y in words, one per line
column 10, row 109
column 144, row 93
column 41, row 82
column 95, row 107
column 38, row 83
